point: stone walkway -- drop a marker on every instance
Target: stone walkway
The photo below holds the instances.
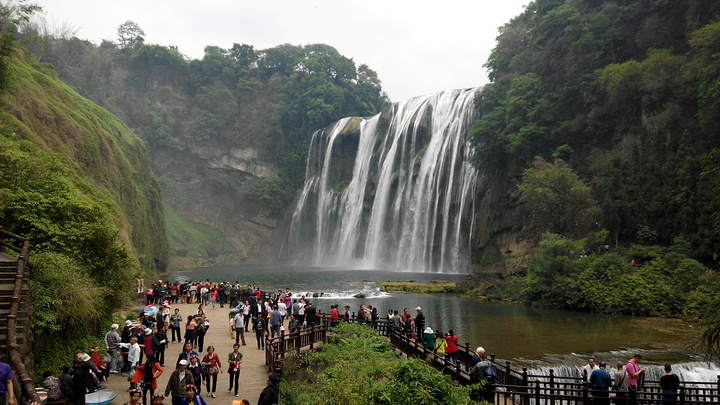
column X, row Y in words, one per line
column 253, row 375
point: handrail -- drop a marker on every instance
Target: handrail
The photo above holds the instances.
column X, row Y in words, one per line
column 15, row 358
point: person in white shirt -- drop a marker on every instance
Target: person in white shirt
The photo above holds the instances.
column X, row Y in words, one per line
column 133, row 353
column 588, row 369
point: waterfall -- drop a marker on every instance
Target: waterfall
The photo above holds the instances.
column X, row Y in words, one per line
column 407, row 203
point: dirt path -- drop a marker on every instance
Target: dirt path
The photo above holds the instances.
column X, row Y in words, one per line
column 253, row 375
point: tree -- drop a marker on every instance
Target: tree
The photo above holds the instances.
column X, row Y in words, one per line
column 555, row 198
column 131, row 35
column 10, row 17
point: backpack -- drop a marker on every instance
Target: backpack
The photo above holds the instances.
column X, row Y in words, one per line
column 491, row 371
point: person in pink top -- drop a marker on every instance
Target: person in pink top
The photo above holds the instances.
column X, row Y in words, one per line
column 213, row 296
column 634, row 372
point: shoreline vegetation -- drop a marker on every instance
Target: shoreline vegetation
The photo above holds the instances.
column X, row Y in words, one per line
column 412, row 286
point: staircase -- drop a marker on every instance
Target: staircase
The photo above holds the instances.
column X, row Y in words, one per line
column 15, row 326
column 8, row 272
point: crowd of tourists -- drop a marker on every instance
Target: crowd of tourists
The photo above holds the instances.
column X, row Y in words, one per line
column 627, row 379
column 137, row 350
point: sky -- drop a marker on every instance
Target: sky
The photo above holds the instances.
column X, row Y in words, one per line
column 417, row 47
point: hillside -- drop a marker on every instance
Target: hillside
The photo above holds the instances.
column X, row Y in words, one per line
column 227, row 134
column 77, row 182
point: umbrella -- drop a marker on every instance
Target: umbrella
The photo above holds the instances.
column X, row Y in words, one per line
column 150, row 310
column 100, row 397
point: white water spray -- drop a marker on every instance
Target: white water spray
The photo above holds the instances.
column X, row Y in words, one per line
column 406, row 205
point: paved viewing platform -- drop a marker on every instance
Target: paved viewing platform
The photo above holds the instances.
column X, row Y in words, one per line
column 253, row 374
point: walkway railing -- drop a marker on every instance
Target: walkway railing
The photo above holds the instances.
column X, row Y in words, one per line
column 14, row 355
column 511, row 387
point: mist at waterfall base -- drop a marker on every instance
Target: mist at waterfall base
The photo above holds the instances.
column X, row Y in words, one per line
column 535, row 338
column 393, row 191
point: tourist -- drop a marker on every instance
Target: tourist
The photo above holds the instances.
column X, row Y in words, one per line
column 270, row 394
column 634, row 372
column 174, row 293
column 294, row 326
column 196, row 369
column 175, row 320
column 214, row 367
column 192, row 397
column 203, row 324
column 213, row 295
column 407, row 327
column 66, row 383
column 223, row 292
column 203, row 295
column 600, row 382
column 361, row 316
column 246, row 315
column 158, row 399
column 133, row 357
column 419, row 322
column 150, row 342
column 165, row 311
column 112, row 343
column 200, row 311
column 301, row 311
column 190, row 330
column 275, row 321
column 238, row 323
column 234, row 361
column 162, row 340
column 135, row 395
column 288, row 298
column 282, row 308
column 669, row 384
column 479, row 373
column 404, row 316
column 452, row 348
column 147, row 374
column 374, row 317
column 397, row 322
column 179, row 379
column 588, row 369
column 310, row 315
column 295, row 309
column 82, row 379
column 52, row 386
column 620, row 384
column 334, row 315
column 429, row 339
column 348, row 315
column 440, row 343
column 259, row 327
column 125, row 338
column 477, row 357
column 185, row 354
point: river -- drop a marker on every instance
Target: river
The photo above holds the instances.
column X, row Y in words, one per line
column 531, row 337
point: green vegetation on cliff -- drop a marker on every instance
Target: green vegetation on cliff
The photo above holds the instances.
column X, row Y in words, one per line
column 77, row 182
column 357, row 366
column 605, row 114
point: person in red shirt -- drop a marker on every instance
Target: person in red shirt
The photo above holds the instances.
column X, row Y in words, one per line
column 452, row 348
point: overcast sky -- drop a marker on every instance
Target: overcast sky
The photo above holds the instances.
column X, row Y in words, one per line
column 417, row 47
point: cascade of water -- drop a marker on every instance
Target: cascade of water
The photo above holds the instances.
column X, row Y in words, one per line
column 408, row 201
